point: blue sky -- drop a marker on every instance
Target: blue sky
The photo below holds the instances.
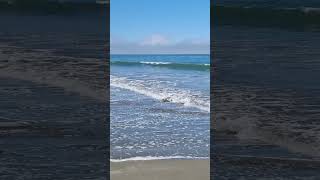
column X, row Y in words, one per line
column 160, row 26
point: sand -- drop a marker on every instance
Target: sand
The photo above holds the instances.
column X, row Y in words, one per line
column 161, row 170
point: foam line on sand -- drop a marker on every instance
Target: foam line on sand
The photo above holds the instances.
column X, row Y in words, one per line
column 161, row 169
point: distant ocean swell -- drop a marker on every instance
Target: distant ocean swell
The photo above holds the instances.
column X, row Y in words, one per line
column 165, row 94
column 51, row 6
column 266, row 16
column 171, row 65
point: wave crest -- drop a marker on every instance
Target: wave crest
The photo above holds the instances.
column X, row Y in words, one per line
column 150, row 158
column 170, row 65
column 179, row 96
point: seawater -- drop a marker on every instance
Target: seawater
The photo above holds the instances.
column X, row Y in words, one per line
column 160, row 106
column 266, row 91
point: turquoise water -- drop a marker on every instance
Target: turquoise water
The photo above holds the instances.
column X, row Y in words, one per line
column 160, row 106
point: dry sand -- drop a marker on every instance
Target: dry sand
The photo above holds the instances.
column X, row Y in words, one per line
column 161, row 170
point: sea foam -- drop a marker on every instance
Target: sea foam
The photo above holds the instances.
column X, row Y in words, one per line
column 150, row 158
column 165, row 94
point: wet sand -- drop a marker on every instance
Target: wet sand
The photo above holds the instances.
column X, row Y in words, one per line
column 161, row 169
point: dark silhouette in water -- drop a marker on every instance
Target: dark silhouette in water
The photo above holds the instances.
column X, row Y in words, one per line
column 166, row 99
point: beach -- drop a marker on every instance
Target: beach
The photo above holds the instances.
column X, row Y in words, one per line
column 159, row 91
column 160, row 127
column 159, row 106
column 161, row 169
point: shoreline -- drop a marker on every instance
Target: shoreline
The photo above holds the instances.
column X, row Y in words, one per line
column 153, row 158
column 169, row 169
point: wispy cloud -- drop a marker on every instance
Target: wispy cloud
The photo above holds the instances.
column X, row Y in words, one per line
column 155, row 40
column 160, row 44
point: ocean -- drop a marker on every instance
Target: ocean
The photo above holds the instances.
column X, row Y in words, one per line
column 53, row 90
column 265, row 89
column 160, row 107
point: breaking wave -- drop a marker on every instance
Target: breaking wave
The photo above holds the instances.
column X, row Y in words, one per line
column 150, row 158
column 165, row 94
column 170, row 65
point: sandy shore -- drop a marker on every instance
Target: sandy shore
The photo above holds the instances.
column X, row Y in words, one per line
column 161, row 169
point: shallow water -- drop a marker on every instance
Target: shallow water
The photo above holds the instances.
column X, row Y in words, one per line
column 265, row 92
column 159, row 111
column 53, row 103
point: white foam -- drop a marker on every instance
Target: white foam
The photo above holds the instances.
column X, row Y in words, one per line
column 155, row 63
column 150, row 158
column 179, row 96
